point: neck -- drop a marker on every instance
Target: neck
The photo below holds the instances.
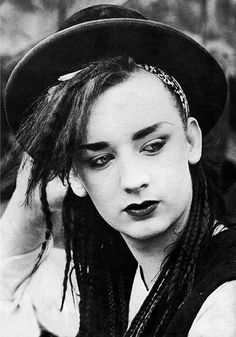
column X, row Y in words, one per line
column 150, row 253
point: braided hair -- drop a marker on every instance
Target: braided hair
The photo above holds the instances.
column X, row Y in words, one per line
column 103, row 265
column 177, row 276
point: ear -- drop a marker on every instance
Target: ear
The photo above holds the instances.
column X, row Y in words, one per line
column 77, row 185
column 194, row 139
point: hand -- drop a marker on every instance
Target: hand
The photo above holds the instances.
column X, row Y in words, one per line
column 22, row 228
column 55, row 189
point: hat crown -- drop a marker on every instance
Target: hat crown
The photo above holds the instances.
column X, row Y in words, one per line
column 108, row 31
column 100, row 12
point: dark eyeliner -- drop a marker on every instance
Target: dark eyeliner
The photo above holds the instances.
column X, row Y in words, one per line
column 93, row 161
column 157, row 141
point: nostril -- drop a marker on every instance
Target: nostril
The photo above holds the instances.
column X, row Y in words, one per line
column 133, row 176
column 136, row 189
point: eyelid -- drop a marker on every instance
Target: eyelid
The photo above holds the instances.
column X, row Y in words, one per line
column 155, row 140
column 92, row 161
column 160, row 140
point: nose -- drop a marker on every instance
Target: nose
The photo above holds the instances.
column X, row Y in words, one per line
column 134, row 177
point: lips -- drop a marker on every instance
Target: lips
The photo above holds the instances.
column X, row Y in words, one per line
column 143, row 209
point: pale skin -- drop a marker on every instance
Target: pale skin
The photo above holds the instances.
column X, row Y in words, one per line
column 130, row 169
column 154, row 166
column 131, row 166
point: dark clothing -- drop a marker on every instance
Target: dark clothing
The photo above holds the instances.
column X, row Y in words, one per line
column 217, row 265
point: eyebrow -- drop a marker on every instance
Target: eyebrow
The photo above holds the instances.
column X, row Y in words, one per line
column 137, row 135
column 94, row 146
column 146, row 131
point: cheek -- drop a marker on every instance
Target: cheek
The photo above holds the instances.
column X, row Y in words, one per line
column 172, row 173
column 106, row 205
column 99, row 184
column 101, row 190
column 178, row 181
column 174, row 183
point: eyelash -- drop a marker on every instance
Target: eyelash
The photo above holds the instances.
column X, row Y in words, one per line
column 94, row 162
column 157, row 142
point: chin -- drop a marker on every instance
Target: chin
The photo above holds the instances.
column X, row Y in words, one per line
column 147, row 231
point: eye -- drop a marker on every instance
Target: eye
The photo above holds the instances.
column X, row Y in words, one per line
column 154, row 146
column 101, row 161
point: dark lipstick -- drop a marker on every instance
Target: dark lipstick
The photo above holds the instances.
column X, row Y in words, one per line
column 143, row 209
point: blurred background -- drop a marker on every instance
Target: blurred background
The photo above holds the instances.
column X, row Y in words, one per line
column 212, row 23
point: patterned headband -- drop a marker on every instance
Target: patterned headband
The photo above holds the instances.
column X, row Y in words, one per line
column 170, row 81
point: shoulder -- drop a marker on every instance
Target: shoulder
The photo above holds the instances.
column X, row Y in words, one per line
column 45, row 294
column 50, row 274
column 217, row 316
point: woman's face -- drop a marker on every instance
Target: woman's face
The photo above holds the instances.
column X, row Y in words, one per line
column 135, row 163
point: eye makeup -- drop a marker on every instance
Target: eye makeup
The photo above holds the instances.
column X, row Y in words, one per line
column 154, row 146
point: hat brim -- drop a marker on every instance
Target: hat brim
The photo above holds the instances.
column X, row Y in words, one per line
column 200, row 76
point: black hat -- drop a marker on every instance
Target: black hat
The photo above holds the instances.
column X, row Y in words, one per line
column 109, row 30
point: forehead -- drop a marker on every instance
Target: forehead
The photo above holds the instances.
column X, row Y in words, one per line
column 138, row 102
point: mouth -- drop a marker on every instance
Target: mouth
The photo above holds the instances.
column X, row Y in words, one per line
column 143, row 209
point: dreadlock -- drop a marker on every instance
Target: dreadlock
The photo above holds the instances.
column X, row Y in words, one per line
column 177, row 277
column 98, row 256
column 103, row 265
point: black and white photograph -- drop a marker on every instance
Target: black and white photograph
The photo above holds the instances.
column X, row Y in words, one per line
column 118, row 168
